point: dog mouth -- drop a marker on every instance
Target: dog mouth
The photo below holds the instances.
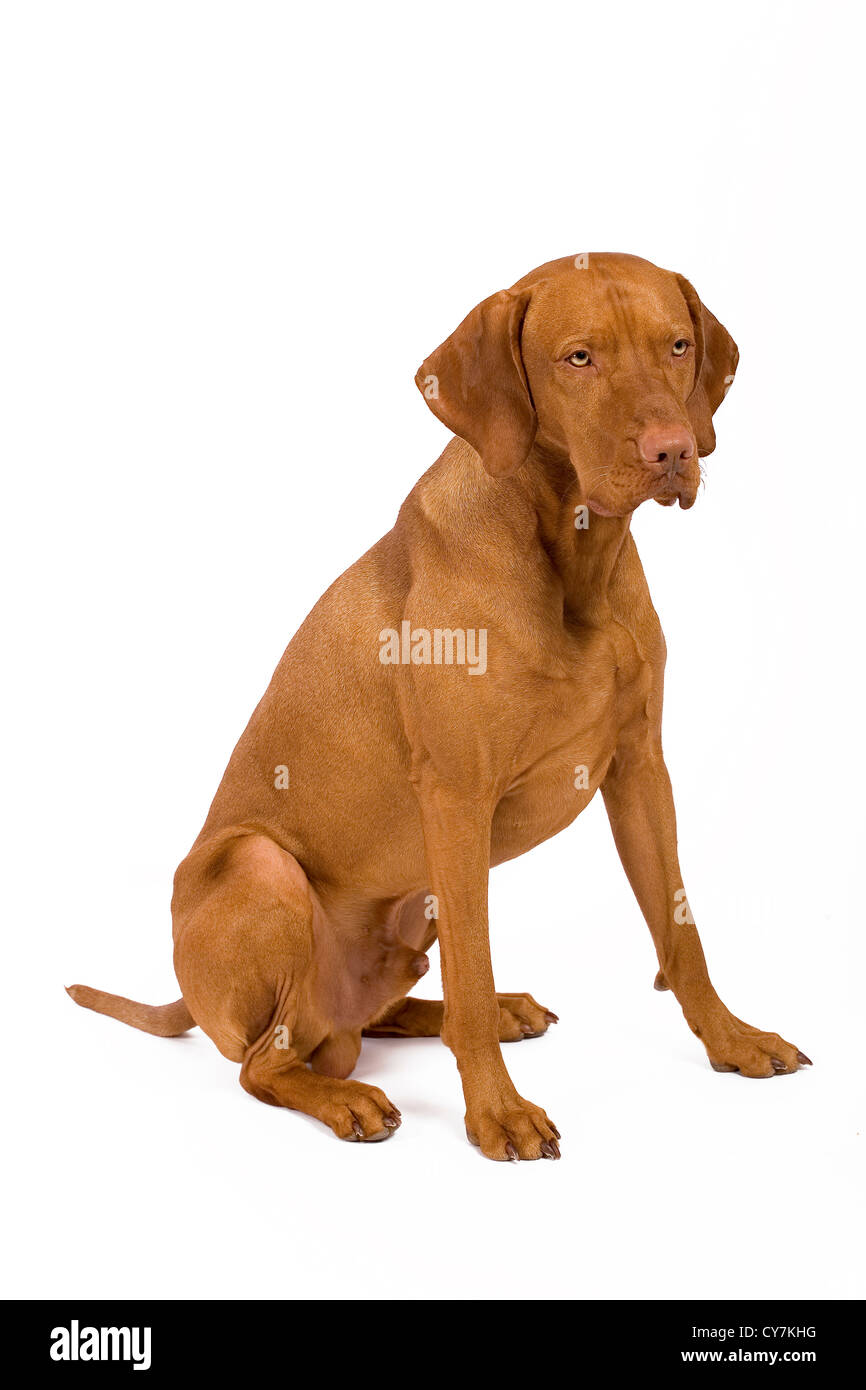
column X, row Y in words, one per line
column 678, row 488
column 666, row 494
column 623, row 499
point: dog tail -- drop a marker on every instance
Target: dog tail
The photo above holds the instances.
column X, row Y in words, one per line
column 166, row 1020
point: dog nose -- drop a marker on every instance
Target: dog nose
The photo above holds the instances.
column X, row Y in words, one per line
column 663, row 448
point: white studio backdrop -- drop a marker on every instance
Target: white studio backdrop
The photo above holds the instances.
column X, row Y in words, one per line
column 230, row 234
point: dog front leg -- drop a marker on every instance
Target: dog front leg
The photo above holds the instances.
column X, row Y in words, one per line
column 457, row 846
column 639, row 802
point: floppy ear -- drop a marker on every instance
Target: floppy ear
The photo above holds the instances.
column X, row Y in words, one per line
column 716, row 359
column 476, row 385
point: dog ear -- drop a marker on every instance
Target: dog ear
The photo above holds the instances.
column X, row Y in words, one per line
column 716, row 359
column 475, row 383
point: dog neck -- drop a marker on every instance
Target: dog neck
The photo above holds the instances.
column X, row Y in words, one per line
column 582, row 546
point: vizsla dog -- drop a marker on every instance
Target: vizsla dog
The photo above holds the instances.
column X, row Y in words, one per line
column 455, row 698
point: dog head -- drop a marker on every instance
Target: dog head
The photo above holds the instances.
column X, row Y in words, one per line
column 603, row 358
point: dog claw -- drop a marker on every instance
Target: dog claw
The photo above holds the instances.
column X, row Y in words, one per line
column 777, row 1065
column 390, row 1125
column 551, row 1017
column 722, row 1066
column 803, row 1059
column 511, row 1153
column 550, row 1148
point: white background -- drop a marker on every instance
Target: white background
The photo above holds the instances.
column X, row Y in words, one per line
column 230, row 234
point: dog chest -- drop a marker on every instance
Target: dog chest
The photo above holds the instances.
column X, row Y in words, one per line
column 572, row 736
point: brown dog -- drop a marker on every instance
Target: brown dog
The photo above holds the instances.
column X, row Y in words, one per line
column 455, row 698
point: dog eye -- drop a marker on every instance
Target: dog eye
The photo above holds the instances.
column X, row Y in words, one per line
column 680, row 347
column 580, row 358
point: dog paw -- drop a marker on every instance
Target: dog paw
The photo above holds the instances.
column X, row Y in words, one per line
column 361, row 1114
column 521, row 1017
column 515, row 1130
column 734, row 1046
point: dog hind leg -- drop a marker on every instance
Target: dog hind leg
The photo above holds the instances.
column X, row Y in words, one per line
column 520, row 1017
column 244, row 956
